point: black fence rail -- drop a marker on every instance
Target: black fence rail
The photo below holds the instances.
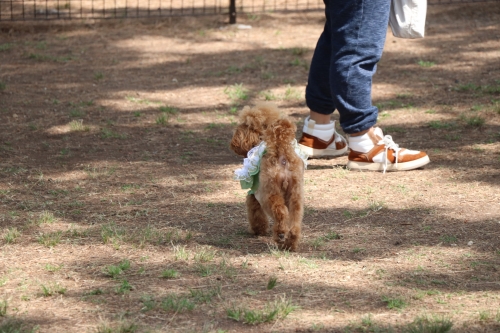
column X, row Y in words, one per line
column 37, row 10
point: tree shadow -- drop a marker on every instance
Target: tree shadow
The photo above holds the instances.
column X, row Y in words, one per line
column 115, row 133
column 126, row 178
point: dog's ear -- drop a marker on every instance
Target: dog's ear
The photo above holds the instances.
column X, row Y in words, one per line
column 270, row 113
column 253, row 118
column 252, row 125
column 283, row 131
column 243, row 140
column 260, row 117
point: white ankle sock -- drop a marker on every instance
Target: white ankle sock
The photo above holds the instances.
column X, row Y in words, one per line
column 321, row 131
column 363, row 143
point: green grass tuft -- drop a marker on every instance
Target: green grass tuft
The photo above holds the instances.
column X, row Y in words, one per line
column 5, row 47
column 75, row 113
column 175, row 303
column 52, row 289
column 106, row 133
column 124, row 327
column 268, row 95
column 271, row 283
column 46, row 217
column 448, row 239
column 53, row 268
column 95, row 292
column 111, row 233
column 180, row 252
column 10, row 325
column 205, row 254
column 438, row 124
column 394, row 303
column 292, row 94
column 273, row 311
column 332, row 235
column 423, row 63
column 205, row 295
column 429, row 325
column 467, row 87
column 236, row 92
column 77, row 126
column 162, row 120
column 3, row 308
column 124, row 287
column 114, row 271
column 169, row 274
column 148, row 303
column 297, row 62
column 169, row 110
column 473, row 121
column 50, row 239
column 11, row 235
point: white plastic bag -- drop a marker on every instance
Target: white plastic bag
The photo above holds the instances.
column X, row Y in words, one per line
column 407, row 18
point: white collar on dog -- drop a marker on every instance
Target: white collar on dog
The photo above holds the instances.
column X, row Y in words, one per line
column 303, row 156
column 251, row 164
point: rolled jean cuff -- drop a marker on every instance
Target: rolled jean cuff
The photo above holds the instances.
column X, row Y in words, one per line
column 319, row 109
column 357, row 129
column 360, row 126
column 318, row 106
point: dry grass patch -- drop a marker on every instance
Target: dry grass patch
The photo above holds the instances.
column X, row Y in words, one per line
column 118, row 212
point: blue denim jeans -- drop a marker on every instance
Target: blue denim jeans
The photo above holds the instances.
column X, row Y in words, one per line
column 345, row 60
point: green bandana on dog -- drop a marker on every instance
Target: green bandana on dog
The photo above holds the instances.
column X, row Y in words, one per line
column 249, row 174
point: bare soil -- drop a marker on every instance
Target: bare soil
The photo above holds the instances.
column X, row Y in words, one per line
column 114, row 152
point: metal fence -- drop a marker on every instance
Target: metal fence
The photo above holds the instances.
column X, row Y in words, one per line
column 38, row 10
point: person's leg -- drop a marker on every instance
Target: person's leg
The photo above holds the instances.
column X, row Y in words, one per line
column 320, row 118
column 318, row 90
column 319, row 137
column 358, row 31
column 355, row 31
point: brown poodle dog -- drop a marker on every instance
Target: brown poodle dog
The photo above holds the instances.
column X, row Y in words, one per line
column 277, row 189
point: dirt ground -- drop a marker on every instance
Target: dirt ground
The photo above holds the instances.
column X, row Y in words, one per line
column 119, row 213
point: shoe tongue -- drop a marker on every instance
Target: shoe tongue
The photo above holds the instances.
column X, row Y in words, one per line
column 378, row 131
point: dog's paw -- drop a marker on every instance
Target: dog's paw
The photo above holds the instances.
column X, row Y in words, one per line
column 287, row 246
column 258, row 230
column 288, row 241
column 280, row 236
column 290, row 245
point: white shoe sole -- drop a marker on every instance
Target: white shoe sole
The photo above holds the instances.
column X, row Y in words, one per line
column 328, row 152
column 351, row 165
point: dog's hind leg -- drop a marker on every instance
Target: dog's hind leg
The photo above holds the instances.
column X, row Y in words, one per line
column 279, row 212
column 256, row 217
column 296, row 213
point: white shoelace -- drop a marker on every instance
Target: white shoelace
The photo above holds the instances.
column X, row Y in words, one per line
column 389, row 144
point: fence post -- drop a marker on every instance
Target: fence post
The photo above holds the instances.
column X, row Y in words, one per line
column 232, row 11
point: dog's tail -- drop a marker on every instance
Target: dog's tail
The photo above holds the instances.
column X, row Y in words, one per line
column 280, row 135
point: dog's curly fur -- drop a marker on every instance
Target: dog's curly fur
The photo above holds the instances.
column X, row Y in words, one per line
column 280, row 192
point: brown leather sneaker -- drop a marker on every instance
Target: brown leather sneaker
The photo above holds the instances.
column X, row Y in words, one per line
column 375, row 152
column 313, row 146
